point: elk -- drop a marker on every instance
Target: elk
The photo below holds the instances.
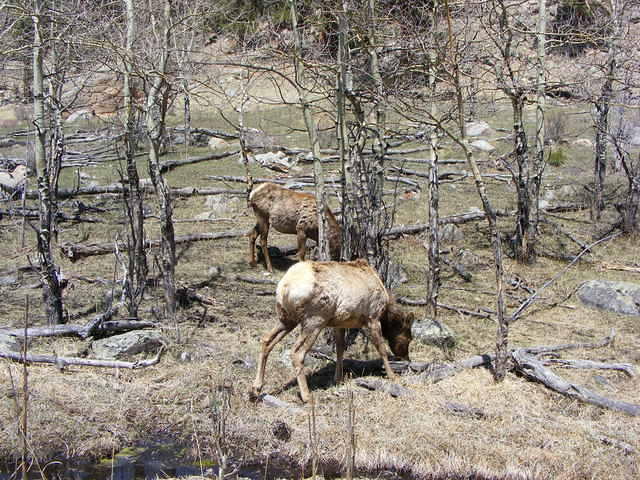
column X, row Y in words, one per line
column 288, row 212
column 340, row 295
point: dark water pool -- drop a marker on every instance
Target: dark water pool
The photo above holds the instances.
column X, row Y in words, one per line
column 148, row 463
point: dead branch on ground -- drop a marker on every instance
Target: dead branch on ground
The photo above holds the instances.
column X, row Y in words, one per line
column 76, row 251
column 62, row 362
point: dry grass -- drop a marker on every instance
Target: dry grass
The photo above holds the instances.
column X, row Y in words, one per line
column 526, row 432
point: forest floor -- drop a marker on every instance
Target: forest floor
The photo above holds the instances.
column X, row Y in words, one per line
column 523, row 430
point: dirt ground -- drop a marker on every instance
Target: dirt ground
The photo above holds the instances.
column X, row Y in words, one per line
column 523, row 431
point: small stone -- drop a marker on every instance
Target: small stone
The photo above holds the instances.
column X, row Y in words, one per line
column 433, row 332
column 9, row 343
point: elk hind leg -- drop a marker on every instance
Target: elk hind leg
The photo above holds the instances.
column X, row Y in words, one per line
column 269, row 340
column 339, row 337
column 307, row 338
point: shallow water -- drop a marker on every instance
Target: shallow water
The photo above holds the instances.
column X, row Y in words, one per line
column 148, row 463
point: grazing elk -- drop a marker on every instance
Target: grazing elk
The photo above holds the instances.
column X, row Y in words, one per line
column 288, row 212
column 316, row 295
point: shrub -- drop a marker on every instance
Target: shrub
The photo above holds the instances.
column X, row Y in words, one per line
column 557, row 158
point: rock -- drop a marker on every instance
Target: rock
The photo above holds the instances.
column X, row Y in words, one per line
column 469, row 260
column 217, row 144
column 543, row 204
column 310, row 361
column 205, row 216
column 221, row 206
column 618, row 297
column 129, row 343
column 634, row 136
column 79, row 115
column 11, row 181
column 433, row 332
column 569, row 192
column 9, row 343
column 7, row 280
column 475, row 129
column 277, row 161
column 255, row 139
column 397, row 274
column 583, row 142
column 450, row 234
column 483, row 146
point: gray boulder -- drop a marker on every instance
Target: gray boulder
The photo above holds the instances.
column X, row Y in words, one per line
column 483, row 146
column 130, row 343
column 9, row 343
column 618, row 297
column 433, row 332
column 475, row 129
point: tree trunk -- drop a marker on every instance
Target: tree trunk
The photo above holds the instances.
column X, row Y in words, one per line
column 433, row 254
column 502, row 335
column 155, row 121
column 312, row 132
column 342, row 84
column 52, row 292
column 524, row 236
column 602, row 107
column 538, row 165
column 137, row 269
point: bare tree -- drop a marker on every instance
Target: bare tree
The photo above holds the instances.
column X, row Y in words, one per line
column 362, row 143
column 47, row 169
column 602, row 103
column 508, row 35
column 312, row 132
column 137, row 268
column 155, row 110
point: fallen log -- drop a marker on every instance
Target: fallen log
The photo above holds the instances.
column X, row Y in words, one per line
column 590, row 364
column 82, row 331
column 76, row 251
column 117, row 189
column 62, row 362
column 423, row 302
column 452, row 219
column 391, row 388
column 171, row 164
column 458, row 269
column 59, row 216
column 464, row 410
column 533, row 369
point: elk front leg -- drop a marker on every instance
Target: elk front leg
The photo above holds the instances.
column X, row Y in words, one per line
column 378, row 342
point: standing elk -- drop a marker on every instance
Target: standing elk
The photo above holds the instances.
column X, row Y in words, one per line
column 288, row 212
column 316, row 295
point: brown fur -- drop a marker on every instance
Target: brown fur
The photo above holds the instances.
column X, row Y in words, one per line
column 288, row 212
column 316, row 295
